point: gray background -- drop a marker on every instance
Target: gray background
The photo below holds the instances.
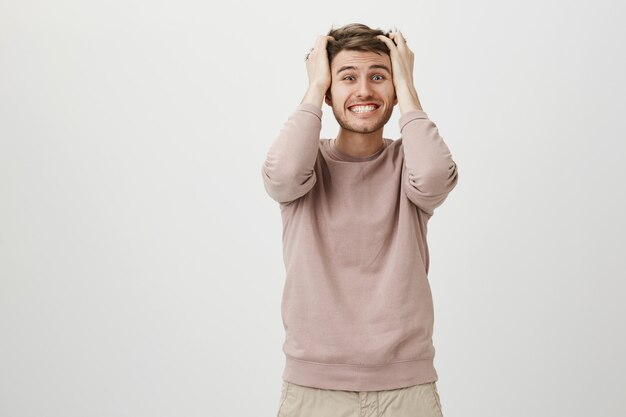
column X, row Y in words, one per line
column 140, row 258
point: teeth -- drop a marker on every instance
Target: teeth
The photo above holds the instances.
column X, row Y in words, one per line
column 362, row 109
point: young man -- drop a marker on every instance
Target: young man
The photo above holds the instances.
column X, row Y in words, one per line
column 357, row 306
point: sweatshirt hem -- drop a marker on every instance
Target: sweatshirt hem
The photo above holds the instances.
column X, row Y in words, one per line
column 359, row 377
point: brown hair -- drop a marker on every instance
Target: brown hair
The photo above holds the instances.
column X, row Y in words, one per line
column 355, row 37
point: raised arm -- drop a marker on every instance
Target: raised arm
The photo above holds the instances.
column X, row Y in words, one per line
column 288, row 168
column 288, row 171
column 430, row 171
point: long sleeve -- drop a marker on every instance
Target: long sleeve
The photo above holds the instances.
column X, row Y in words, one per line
column 288, row 167
column 430, row 171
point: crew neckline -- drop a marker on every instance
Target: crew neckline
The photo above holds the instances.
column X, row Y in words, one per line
column 334, row 151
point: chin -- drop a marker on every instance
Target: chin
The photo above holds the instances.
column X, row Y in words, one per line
column 361, row 129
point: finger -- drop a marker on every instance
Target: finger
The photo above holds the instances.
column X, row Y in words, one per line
column 322, row 40
column 320, row 45
column 393, row 36
column 402, row 44
column 399, row 39
column 387, row 41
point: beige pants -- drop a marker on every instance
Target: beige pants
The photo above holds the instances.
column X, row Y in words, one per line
column 415, row 401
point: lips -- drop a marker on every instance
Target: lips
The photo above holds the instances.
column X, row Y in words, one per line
column 363, row 107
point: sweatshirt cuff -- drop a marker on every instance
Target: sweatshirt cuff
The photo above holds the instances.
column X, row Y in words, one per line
column 410, row 116
column 308, row 107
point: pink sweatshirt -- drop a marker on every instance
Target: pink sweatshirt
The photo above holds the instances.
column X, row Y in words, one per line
column 357, row 307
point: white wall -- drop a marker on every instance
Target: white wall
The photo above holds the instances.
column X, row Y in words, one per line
column 140, row 259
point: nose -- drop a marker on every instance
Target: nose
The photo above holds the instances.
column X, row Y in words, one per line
column 363, row 87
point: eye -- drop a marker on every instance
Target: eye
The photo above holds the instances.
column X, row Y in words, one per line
column 377, row 77
column 349, row 78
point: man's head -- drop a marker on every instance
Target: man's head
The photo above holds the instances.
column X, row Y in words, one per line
column 361, row 94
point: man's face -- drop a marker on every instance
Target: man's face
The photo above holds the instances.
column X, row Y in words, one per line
column 361, row 93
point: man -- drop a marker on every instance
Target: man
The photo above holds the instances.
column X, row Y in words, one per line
column 357, row 306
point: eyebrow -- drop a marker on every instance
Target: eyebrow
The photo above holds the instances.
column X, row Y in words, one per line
column 352, row 67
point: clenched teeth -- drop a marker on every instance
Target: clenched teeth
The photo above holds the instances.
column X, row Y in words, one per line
column 362, row 109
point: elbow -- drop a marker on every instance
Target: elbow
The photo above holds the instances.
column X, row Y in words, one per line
column 449, row 177
column 430, row 189
column 436, row 181
column 285, row 188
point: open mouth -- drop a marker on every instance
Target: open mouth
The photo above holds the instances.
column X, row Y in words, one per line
column 363, row 108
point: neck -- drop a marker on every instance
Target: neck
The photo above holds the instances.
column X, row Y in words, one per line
column 359, row 145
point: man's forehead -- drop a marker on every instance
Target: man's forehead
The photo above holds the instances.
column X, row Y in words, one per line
column 359, row 59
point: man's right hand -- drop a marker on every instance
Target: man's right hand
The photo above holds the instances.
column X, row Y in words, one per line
column 318, row 70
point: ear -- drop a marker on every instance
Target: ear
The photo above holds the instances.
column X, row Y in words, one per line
column 327, row 98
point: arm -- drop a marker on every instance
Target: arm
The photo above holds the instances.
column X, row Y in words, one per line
column 288, row 168
column 288, row 171
column 431, row 172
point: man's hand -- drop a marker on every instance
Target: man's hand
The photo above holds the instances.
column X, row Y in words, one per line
column 402, row 67
column 318, row 70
